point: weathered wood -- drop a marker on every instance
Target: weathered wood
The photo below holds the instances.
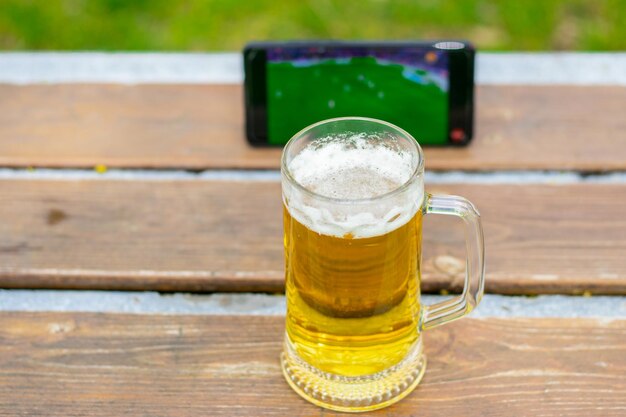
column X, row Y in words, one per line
column 72, row 364
column 201, row 126
column 226, row 236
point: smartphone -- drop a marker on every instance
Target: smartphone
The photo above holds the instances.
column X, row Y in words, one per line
column 426, row 88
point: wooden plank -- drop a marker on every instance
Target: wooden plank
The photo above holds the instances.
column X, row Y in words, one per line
column 226, row 236
column 72, row 364
column 201, row 127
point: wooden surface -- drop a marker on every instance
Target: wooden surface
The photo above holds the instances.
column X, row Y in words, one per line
column 201, row 127
column 72, row 364
column 226, row 236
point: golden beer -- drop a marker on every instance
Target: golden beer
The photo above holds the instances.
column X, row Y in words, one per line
column 353, row 201
column 352, row 302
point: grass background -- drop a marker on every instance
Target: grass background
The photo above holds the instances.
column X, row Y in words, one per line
column 199, row 25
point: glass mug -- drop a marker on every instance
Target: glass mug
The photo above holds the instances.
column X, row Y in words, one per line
column 353, row 196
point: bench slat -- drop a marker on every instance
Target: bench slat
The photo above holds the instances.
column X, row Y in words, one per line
column 226, row 236
column 79, row 364
column 201, row 127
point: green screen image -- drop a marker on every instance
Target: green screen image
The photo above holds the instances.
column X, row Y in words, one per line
column 301, row 92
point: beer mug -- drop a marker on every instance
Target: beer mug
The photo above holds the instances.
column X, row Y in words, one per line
column 353, row 195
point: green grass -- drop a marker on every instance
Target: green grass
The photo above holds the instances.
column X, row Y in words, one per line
column 337, row 90
column 198, row 25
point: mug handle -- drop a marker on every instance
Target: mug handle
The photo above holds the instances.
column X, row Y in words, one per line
column 473, row 288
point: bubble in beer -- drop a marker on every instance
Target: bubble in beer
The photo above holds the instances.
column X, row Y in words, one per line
column 353, row 167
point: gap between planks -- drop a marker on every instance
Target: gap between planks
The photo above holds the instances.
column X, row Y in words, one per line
column 492, row 305
column 512, row 68
column 269, row 175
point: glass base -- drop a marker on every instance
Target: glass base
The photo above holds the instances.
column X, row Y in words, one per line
column 353, row 394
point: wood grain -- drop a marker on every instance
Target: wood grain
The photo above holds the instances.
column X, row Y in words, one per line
column 201, row 127
column 72, row 364
column 226, row 236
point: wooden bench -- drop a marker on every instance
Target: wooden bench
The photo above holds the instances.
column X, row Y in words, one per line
column 188, row 235
column 166, row 227
column 112, row 364
column 200, row 127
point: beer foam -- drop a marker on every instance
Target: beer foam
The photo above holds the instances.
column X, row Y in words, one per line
column 354, row 168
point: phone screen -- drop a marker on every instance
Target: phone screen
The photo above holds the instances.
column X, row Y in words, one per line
column 405, row 85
